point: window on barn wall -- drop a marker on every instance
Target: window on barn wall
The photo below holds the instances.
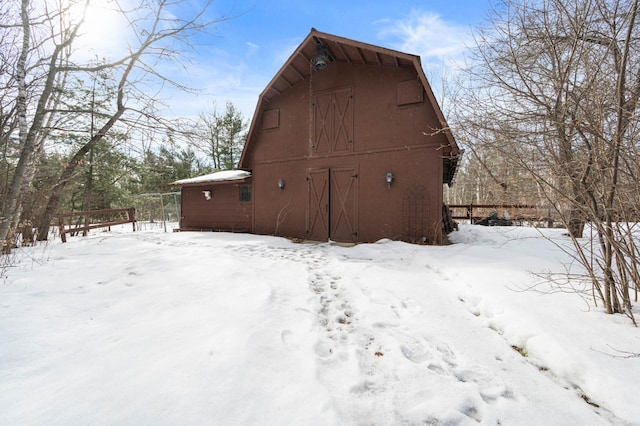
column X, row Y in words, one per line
column 245, row 193
column 333, row 121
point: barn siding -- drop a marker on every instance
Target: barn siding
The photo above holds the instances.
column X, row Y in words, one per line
column 224, row 212
column 379, row 123
column 387, row 137
column 341, row 129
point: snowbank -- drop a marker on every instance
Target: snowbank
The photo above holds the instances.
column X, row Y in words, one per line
column 214, row 328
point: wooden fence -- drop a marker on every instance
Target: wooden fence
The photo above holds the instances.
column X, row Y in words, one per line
column 516, row 212
column 87, row 220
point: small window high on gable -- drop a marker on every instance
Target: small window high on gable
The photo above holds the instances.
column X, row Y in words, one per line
column 271, row 119
column 410, row 92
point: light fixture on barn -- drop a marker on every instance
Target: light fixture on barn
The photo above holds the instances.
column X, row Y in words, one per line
column 281, row 184
column 389, row 179
column 207, row 195
column 321, row 60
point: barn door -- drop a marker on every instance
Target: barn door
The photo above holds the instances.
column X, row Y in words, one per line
column 332, row 204
column 344, row 204
column 318, row 204
column 322, row 123
column 333, row 122
column 342, row 120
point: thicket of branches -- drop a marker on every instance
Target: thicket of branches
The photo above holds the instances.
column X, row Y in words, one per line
column 554, row 92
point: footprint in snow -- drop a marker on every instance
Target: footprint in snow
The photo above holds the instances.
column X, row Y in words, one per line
column 290, row 340
column 489, row 389
column 324, row 349
column 415, row 352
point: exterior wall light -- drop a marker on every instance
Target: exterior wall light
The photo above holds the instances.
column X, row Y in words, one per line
column 321, row 60
column 207, row 195
column 281, row 184
column 390, row 179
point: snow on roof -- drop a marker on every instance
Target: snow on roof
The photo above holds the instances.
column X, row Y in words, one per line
column 215, row 177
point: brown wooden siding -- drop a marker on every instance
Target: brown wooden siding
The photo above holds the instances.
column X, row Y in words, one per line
column 223, row 212
column 354, row 123
column 332, row 135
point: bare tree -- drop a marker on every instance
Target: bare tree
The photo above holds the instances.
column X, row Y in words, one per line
column 23, row 80
column 223, row 135
column 557, row 83
column 45, row 60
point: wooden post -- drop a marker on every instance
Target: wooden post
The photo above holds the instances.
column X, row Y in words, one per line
column 63, row 236
column 131, row 213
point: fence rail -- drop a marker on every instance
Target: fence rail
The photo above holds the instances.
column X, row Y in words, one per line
column 92, row 219
column 474, row 212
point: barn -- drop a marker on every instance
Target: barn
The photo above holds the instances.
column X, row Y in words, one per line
column 347, row 144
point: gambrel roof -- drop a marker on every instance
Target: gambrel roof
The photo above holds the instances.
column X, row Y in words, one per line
column 339, row 49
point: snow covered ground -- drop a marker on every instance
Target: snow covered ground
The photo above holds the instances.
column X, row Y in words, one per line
column 153, row 328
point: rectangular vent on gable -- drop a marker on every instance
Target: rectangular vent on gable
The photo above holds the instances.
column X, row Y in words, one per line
column 271, row 119
column 410, row 92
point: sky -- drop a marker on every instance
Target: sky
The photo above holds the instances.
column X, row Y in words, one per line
column 254, row 39
column 108, row 329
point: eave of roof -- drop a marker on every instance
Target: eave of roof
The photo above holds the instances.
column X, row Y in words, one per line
column 222, row 177
column 298, row 68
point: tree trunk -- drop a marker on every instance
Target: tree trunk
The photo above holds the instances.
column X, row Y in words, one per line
column 31, row 137
column 49, row 212
column 575, row 224
column 12, row 205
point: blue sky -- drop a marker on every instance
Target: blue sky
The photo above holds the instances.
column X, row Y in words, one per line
column 244, row 52
column 253, row 38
